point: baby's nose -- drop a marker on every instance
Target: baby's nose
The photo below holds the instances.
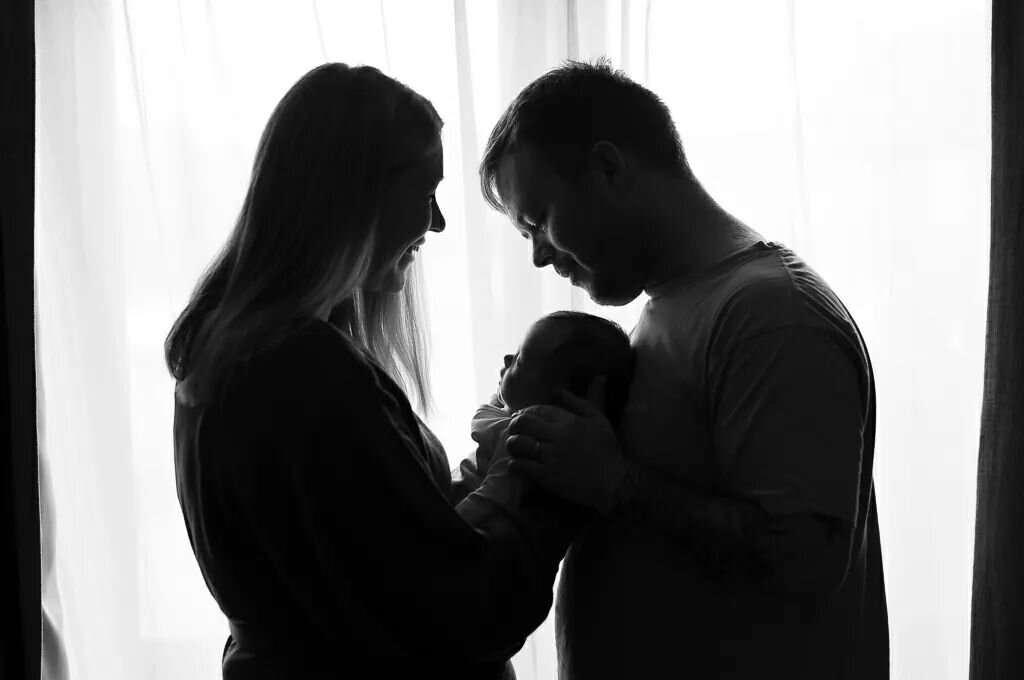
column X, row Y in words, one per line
column 508, row 360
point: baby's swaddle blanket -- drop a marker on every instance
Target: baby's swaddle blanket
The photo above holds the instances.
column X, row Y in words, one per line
column 489, row 429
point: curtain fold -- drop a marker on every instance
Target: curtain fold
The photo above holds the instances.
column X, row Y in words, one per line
column 476, row 240
column 84, row 378
column 20, row 615
column 997, row 615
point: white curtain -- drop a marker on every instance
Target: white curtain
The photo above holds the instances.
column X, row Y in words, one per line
column 856, row 133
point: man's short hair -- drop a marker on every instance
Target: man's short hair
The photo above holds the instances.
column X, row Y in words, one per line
column 569, row 109
column 594, row 346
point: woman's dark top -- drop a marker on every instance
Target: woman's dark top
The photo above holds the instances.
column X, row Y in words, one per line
column 322, row 515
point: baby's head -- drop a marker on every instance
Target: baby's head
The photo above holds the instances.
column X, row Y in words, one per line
column 567, row 350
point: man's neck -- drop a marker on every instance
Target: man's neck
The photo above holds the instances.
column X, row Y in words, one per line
column 691, row 233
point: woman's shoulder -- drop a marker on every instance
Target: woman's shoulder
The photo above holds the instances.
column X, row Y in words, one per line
column 320, row 339
column 314, row 358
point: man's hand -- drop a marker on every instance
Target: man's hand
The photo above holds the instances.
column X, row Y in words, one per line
column 571, row 451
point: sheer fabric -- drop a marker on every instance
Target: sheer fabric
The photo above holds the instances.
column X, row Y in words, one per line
column 855, row 133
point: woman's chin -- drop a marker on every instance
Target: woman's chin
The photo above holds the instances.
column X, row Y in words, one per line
column 393, row 281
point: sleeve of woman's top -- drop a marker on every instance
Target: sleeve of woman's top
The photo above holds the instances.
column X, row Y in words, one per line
column 364, row 507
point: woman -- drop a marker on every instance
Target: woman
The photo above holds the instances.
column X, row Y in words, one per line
column 319, row 507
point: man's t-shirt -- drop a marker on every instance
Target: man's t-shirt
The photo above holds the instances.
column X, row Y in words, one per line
column 752, row 381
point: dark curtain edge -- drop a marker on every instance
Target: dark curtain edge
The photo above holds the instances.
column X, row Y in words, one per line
column 997, row 606
column 19, row 476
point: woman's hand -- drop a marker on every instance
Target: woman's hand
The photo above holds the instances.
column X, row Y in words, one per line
column 572, row 450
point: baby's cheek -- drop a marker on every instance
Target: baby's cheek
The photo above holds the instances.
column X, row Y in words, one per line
column 540, row 390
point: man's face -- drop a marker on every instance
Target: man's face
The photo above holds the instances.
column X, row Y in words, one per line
column 581, row 228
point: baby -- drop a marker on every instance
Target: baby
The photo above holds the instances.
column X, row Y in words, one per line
column 561, row 351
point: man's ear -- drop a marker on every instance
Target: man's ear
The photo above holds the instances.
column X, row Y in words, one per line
column 611, row 169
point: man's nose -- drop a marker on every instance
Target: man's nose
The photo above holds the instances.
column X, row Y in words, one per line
column 437, row 222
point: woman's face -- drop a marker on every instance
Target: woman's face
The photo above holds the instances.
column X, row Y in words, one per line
column 410, row 211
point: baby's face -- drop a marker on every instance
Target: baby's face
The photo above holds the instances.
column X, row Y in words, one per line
column 528, row 377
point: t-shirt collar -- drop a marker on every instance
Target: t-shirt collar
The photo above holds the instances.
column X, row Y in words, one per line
column 685, row 279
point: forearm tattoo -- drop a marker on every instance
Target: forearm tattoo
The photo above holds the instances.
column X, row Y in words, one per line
column 721, row 535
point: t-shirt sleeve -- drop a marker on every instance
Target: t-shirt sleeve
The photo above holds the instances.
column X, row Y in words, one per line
column 788, row 415
column 352, row 501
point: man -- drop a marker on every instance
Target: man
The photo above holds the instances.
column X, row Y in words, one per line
column 737, row 533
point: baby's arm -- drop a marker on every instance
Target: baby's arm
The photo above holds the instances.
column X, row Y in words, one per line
column 472, row 471
column 498, row 491
column 499, row 486
column 468, row 477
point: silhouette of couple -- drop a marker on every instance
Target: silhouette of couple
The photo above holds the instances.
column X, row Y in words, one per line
column 706, row 479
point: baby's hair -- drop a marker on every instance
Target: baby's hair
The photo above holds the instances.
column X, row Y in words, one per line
column 595, row 346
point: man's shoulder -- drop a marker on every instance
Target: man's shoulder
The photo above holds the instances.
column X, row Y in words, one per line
column 752, row 277
column 775, row 291
column 783, row 302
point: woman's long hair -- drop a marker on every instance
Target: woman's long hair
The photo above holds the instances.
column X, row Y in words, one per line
column 304, row 240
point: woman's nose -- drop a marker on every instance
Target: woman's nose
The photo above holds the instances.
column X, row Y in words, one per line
column 437, row 222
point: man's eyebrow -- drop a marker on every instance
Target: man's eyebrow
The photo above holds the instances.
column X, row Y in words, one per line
column 523, row 227
column 520, row 218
